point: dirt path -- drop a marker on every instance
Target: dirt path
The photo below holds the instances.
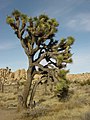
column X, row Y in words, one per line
column 7, row 114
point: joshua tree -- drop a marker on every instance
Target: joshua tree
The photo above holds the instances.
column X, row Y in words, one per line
column 37, row 38
column 4, row 73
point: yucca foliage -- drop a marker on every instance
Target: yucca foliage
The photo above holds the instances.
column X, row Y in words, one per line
column 37, row 37
column 62, row 85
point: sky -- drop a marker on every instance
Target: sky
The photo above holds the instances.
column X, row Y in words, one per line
column 74, row 20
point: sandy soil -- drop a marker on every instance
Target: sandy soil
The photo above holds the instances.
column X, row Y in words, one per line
column 7, row 114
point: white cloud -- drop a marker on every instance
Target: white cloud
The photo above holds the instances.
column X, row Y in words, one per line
column 80, row 22
column 58, row 8
column 80, row 64
column 7, row 46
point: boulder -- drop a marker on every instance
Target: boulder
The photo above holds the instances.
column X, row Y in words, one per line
column 17, row 75
column 20, row 74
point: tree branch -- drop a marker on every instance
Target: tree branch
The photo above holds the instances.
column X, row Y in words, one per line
column 41, row 58
column 25, row 48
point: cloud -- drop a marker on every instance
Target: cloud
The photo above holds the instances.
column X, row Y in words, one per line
column 58, row 8
column 80, row 22
column 80, row 64
column 7, row 46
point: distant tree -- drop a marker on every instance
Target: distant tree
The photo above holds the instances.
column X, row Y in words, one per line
column 4, row 73
column 36, row 35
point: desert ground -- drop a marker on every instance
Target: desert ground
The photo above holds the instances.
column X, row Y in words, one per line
column 48, row 107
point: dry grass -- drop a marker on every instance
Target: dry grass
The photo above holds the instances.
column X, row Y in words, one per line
column 76, row 107
column 79, row 77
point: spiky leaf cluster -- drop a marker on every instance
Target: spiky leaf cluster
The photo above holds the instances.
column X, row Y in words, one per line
column 41, row 28
column 10, row 20
column 60, row 85
column 63, row 52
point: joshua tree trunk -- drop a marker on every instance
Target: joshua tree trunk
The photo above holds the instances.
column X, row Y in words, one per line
column 23, row 101
column 27, row 87
column 32, row 95
column 46, row 91
column 2, row 87
column 51, row 87
column 28, row 84
column 33, row 91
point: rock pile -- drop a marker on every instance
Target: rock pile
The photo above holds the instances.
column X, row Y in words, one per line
column 9, row 77
column 20, row 74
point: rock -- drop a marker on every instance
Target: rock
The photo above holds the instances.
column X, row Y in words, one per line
column 23, row 74
column 11, row 75
column 17, row 75
column 20, row 74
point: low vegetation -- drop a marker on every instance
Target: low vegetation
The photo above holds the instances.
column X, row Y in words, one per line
column 75, row 107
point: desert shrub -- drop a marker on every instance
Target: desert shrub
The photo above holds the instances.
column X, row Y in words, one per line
column 76, row 81
column 86, row 82
column 62, row 85
column 62, row 89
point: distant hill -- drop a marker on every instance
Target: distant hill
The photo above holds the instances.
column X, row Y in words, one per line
column 78, row 77
column 22, row 74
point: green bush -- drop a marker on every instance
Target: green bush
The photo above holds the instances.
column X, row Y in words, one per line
column 62, row 89
column 86, row 82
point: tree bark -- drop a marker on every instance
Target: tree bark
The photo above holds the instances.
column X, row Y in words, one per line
column 2, row 87
column 28, row 84
column 33, row 91
column 27, row 88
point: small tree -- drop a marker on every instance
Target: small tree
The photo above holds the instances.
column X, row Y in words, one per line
column 37, row 38
column 4, row 73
